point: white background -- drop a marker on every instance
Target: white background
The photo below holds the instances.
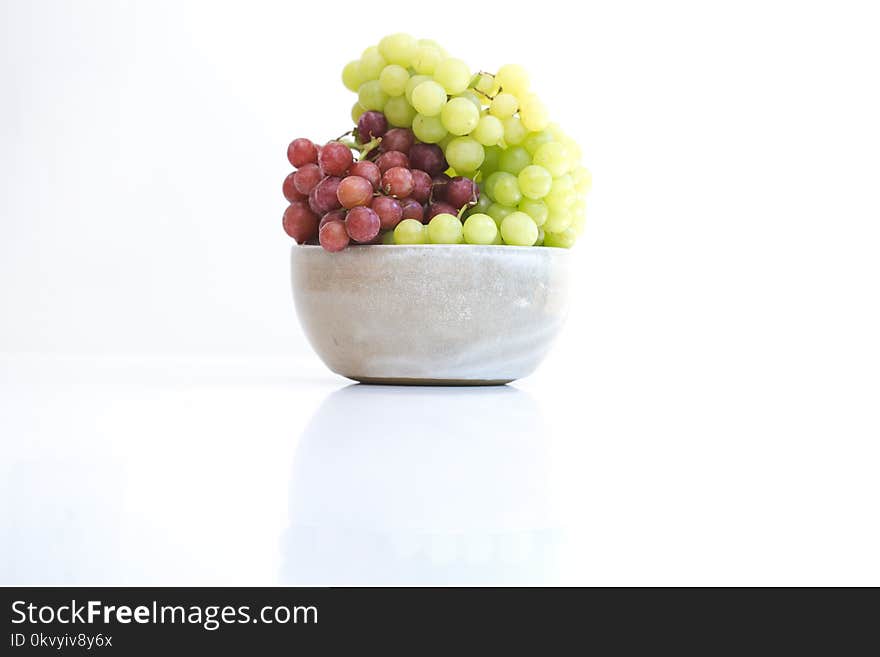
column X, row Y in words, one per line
column 709, row 415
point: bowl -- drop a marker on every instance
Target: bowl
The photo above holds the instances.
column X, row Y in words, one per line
column 431, row 314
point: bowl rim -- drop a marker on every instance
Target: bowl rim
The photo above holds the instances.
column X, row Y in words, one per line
column 550, row 250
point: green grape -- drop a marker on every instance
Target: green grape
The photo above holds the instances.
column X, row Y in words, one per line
column 428, row 129
column 480, row 229
column 486, row 85
column 534, row 140
column 503, row 106
column 474, row 98
column 514, row 131
column 578, row 217
column 540, row 240
column 563, row 239
column 557, row 132
column 398, row 49
column 535, row 181
column 393, row 79
column 561, row 195
column 399, row 113
column 412, row 83
column 432, row 43
column 574, row 152
column 557, row 221
column 583, row 180
column 506, row 189
column 498, row 212
column 513, row 79
column 410, row 231
column 426, row 59
column 482, row 204
column 498, row 239
column 388, row 237
column 351, row 76
column 518, row 229
column 428, row 98
column 445, row 229
column 453, row 74
column 371, row 96
column 459, row 116
column 514, row 159
column 490, row 161
column 356, row 112
column 372, row 64
column 533, row 113
column 489, row 130
column 535, row 209
column 553, row 157
column 443, row 143
column 464, row 154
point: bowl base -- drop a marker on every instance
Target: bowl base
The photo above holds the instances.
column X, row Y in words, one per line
column 404, row 381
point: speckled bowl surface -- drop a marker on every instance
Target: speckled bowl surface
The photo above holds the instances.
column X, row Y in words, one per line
column 431, row 314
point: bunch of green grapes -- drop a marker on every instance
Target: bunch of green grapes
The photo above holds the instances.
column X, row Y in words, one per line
column 491, row 128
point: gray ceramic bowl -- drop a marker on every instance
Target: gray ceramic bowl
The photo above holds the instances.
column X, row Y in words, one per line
column 431, row 314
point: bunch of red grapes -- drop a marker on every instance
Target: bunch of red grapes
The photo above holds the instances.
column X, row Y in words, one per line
column 338, row 200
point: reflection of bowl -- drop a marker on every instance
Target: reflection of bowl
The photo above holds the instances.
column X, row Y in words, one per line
column 431, row 314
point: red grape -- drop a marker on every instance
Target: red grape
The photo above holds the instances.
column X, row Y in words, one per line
column 333, row 215
column 335, row 158
column 324, row 195
column 388, row 210
column 412, row 209
column 333, row 236
column 428, row 158
column 461, row 191
column 353, row 191
column 371, row 124
column 368, row 170
column 397, row 181
column 440, row 207
column 300, row 222
column 362, row 224
column 397, row 139
column 392, row 159
column 421, row 185
column 288, row 188
column 302, row 151
column 306, row 178
column 438, row 187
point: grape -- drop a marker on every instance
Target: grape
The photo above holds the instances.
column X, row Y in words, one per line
column 354, row 191
column 506, row 189
column 429, row 158
column 371, row 96
column 300, row 222
column 302, row 151
column 388, row 210
column 288, row 188
column 371, row 124
column 439, row 207
column 514, row 131
column 489, row 130
column 357, row 112
column 397, row 181
column 498, row 212
column 583, row 180
column 323, row 197
column 428, row 98
column 426, row 59
column 428, row 129
column 490, row 160
column 464, row 154
column 461, row 191
column 392, row 159
column 422, row 184
column 333, row 236
column 362, row 224
column 482, row 204
column 564, row 239
column 399, row 112
column 535, row 140
column 533, row 113
column 491, row 180
column 503, row 106
column 535, row 181
column 535, row 209
column 459, row 116
column 467, row 94
column 513, row 79
column 557, row 221
column 438, row 187
column 398, row 49
column 351, row 76
column 388, row 237
column 578, row 217
column 414, row 82
column 561, row 196
column 514, row 159
column 540, row 240
column 393, row 80
column 335, row 158
column 480, row 229
column 518, row 229
column 397, row 139
column 333, row 215
column 371, row 63
column 486, row 85
column 306, row 178
column 412, row 209
column 553, row 157
column 445, row 228
column 368, row 170
column 453, row 74
column 410, row 231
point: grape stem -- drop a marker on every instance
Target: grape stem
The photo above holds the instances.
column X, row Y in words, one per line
column 367, row 148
